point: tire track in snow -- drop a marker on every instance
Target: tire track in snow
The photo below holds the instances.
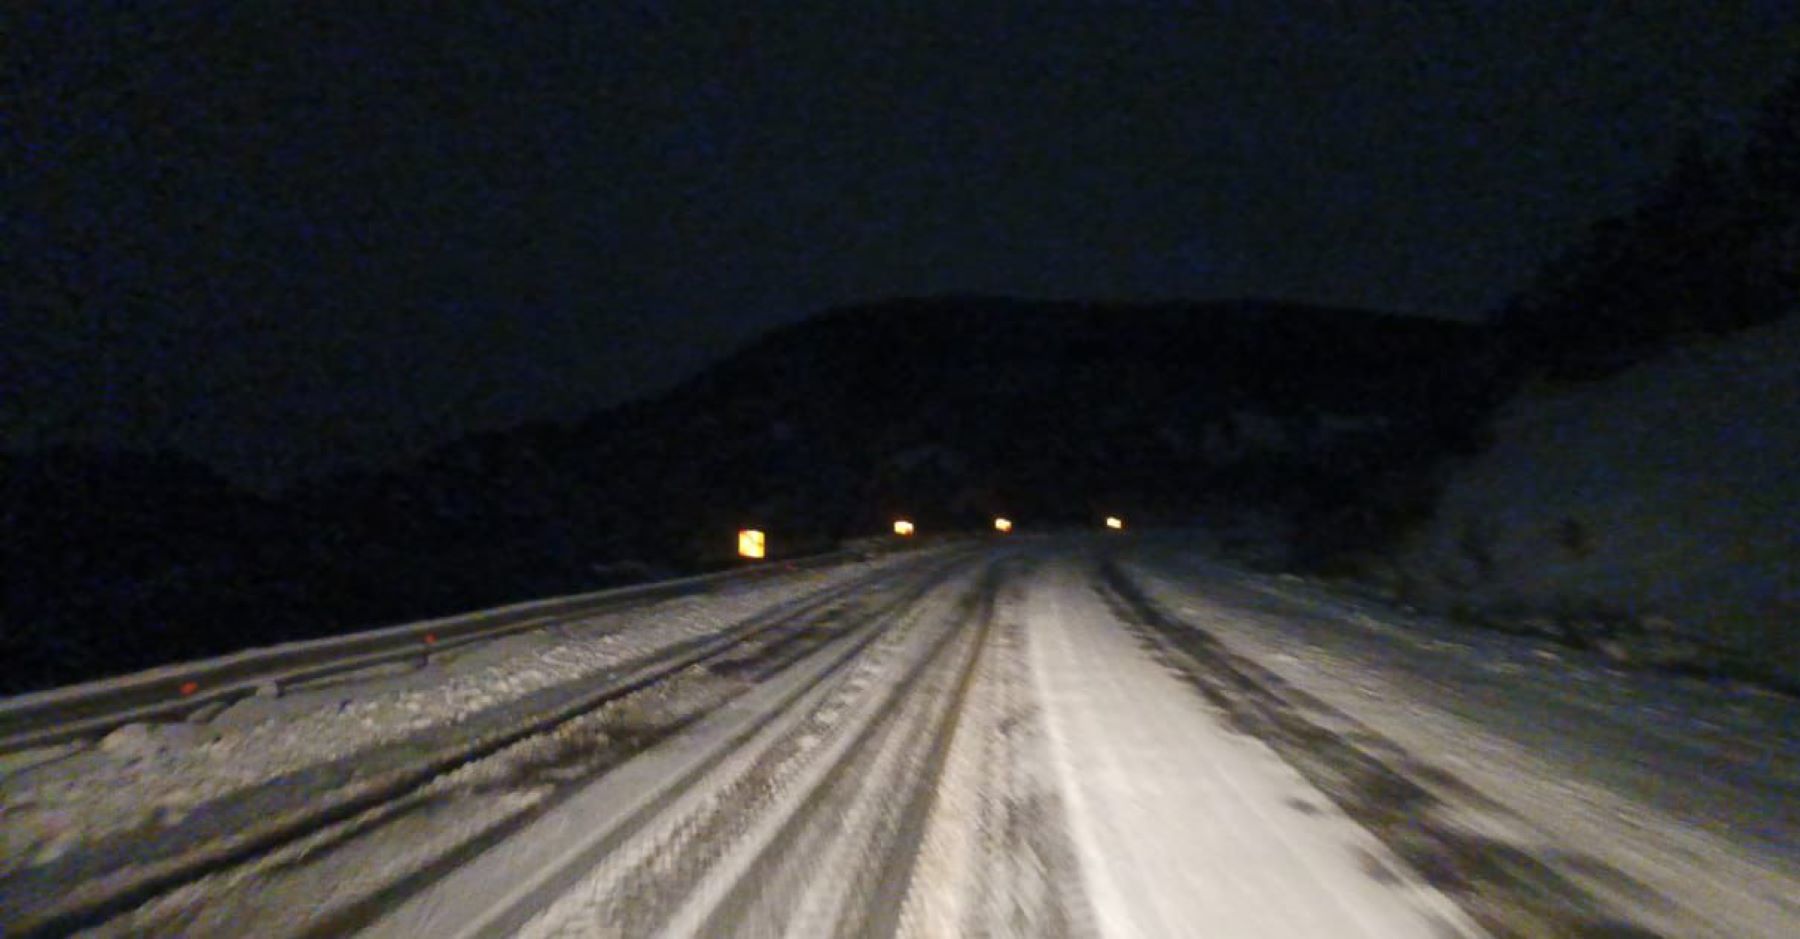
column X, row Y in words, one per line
column 74, row 895
column 996, row 859
column 811, row 827
column 1504, row 888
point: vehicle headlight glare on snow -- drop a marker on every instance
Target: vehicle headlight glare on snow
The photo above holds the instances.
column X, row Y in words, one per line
column 903, row 527
column 751, row 543
column 1115, row 523
column 1003, row 524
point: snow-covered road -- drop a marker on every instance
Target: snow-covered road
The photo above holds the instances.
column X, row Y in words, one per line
column 1542, row 787
column 1184, row 825
column 1055, row 737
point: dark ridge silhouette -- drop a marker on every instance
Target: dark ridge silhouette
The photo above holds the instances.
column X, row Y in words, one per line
column 946, row 410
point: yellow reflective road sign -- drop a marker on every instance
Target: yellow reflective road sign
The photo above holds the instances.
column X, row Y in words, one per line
column 751, row 543
column 1115, row 523
column 903, row 527
column 1003, row 524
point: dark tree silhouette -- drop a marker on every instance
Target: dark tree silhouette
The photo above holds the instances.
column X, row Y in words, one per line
column 1710, row 248
column 1772, row 172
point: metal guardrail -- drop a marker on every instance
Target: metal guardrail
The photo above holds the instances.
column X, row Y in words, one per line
column 74, row 712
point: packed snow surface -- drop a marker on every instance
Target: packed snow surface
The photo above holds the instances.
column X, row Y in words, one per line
column 1662, row 801
column 1114, row 736
column 148, row 775
column 1185, row 827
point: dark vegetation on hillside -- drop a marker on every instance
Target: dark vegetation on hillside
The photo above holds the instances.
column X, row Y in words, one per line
column 1714, row 247
column 945, row 410
column 1710, row 249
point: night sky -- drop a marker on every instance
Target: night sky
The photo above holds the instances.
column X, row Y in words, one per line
column 283, row 237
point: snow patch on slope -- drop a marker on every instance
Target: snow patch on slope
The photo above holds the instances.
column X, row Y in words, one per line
column 1667, row 491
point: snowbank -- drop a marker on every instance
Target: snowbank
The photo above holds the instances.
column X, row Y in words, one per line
column 1653, row 515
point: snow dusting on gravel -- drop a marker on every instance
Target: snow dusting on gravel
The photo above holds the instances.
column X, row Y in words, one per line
column 146, row 776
